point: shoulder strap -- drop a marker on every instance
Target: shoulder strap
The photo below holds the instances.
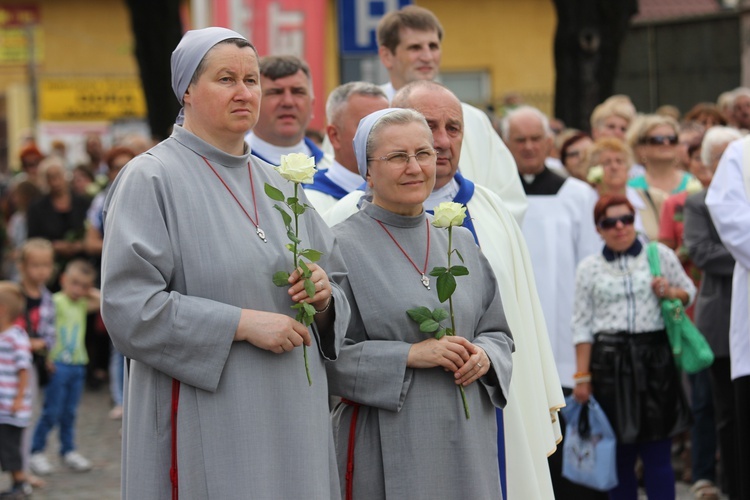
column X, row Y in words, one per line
column 653, row 259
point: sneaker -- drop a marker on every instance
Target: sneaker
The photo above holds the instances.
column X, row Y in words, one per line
column 76, row 461
column 116, row 413
column 40, row 465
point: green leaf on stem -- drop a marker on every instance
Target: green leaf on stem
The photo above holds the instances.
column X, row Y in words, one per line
column 311, row 255
column 419, row 314
column 459, row 271
column 439, row 314
column 293, row 238
column 437, row 271
column 289, row 247
column 287, row 218
column 291, row 200
column 459, row 254
column 446, row 285
column 440, row 334
column 297, row 208
column 449, row 332
column 309, row 287
column 429, row 326
column 309, row 309
column 281, row 278
column 305, row 270
column 273, row 193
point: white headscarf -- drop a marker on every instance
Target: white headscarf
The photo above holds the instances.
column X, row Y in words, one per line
column 363, row 133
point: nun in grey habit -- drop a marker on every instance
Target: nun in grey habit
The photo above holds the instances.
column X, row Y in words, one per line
column 400, row 430
column 190, row 245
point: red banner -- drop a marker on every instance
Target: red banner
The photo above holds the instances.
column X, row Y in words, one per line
column 18, row 16
column 278, row 27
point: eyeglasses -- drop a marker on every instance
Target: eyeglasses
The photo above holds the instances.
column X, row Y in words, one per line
column 398, row 159
column 657, row 140
column 610, row 222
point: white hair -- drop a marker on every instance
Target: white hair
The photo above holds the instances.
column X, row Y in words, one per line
column 717, row 136
column 340, row 96
column 524, row 111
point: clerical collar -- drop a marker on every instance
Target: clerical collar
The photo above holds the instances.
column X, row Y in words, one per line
column 445, row 193
column 271, row 153
column 633, row 251
column 345, row 178
column 546, row 182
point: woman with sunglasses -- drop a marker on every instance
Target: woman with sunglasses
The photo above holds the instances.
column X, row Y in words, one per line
column 400, row 431
column 622, row 351
column 655, row 140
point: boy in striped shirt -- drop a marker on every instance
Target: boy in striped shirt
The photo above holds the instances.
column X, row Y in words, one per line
column 15, row 396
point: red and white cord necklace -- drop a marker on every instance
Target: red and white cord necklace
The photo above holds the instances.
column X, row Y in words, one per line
column 261, row 234
column 425, row 279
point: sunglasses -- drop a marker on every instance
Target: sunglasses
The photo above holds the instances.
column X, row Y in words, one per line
column 610, row 222
column 657, row 140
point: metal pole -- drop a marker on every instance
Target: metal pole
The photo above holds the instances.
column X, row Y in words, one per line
column 31, row 68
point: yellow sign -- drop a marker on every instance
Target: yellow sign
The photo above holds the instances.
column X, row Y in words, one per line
column 86, row 99
column 19, row 31
column 15, row 45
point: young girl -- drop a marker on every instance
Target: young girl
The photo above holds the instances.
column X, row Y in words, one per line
column 35, row 264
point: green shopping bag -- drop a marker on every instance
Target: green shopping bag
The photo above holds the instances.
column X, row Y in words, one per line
column 689, row 347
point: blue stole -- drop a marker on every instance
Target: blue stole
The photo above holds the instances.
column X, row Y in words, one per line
column 465, row 193
column 316, row 151
column 322, row 183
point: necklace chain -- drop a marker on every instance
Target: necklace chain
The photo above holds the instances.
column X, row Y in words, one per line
column 261, row 234
column 424, row 279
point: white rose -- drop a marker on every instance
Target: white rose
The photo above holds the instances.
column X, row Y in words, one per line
column 595, row 175
column 693, row 186
column 297, row 167
column 449, row 214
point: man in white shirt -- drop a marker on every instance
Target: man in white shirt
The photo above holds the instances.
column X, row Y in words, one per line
column 285, row 111
column 346, row 106
column 409, row 46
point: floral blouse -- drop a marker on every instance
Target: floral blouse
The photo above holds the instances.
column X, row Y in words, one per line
column 613, row 292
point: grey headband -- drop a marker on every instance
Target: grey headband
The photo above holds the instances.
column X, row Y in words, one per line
column 363, row 133
column 189, row 53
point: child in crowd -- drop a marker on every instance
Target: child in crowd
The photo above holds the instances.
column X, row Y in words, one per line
column 73, row 302
column 35, row 263
column 15, row 397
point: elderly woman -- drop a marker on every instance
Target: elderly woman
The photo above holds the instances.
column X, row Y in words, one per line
column 217, row 398
column 610, row 160
column 622, row 351
column 655, row 140
column 401, row 428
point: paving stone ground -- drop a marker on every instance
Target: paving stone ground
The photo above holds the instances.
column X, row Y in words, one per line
column 98, row 439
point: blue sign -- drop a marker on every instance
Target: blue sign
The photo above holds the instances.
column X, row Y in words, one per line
column 358, row 20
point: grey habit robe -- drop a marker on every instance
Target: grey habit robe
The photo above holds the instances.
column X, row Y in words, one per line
column 180, row 260
column 412, row 439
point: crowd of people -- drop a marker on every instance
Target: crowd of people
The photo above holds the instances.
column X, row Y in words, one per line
column 551, row 293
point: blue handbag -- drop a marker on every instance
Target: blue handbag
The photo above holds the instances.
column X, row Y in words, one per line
column 589, row 446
